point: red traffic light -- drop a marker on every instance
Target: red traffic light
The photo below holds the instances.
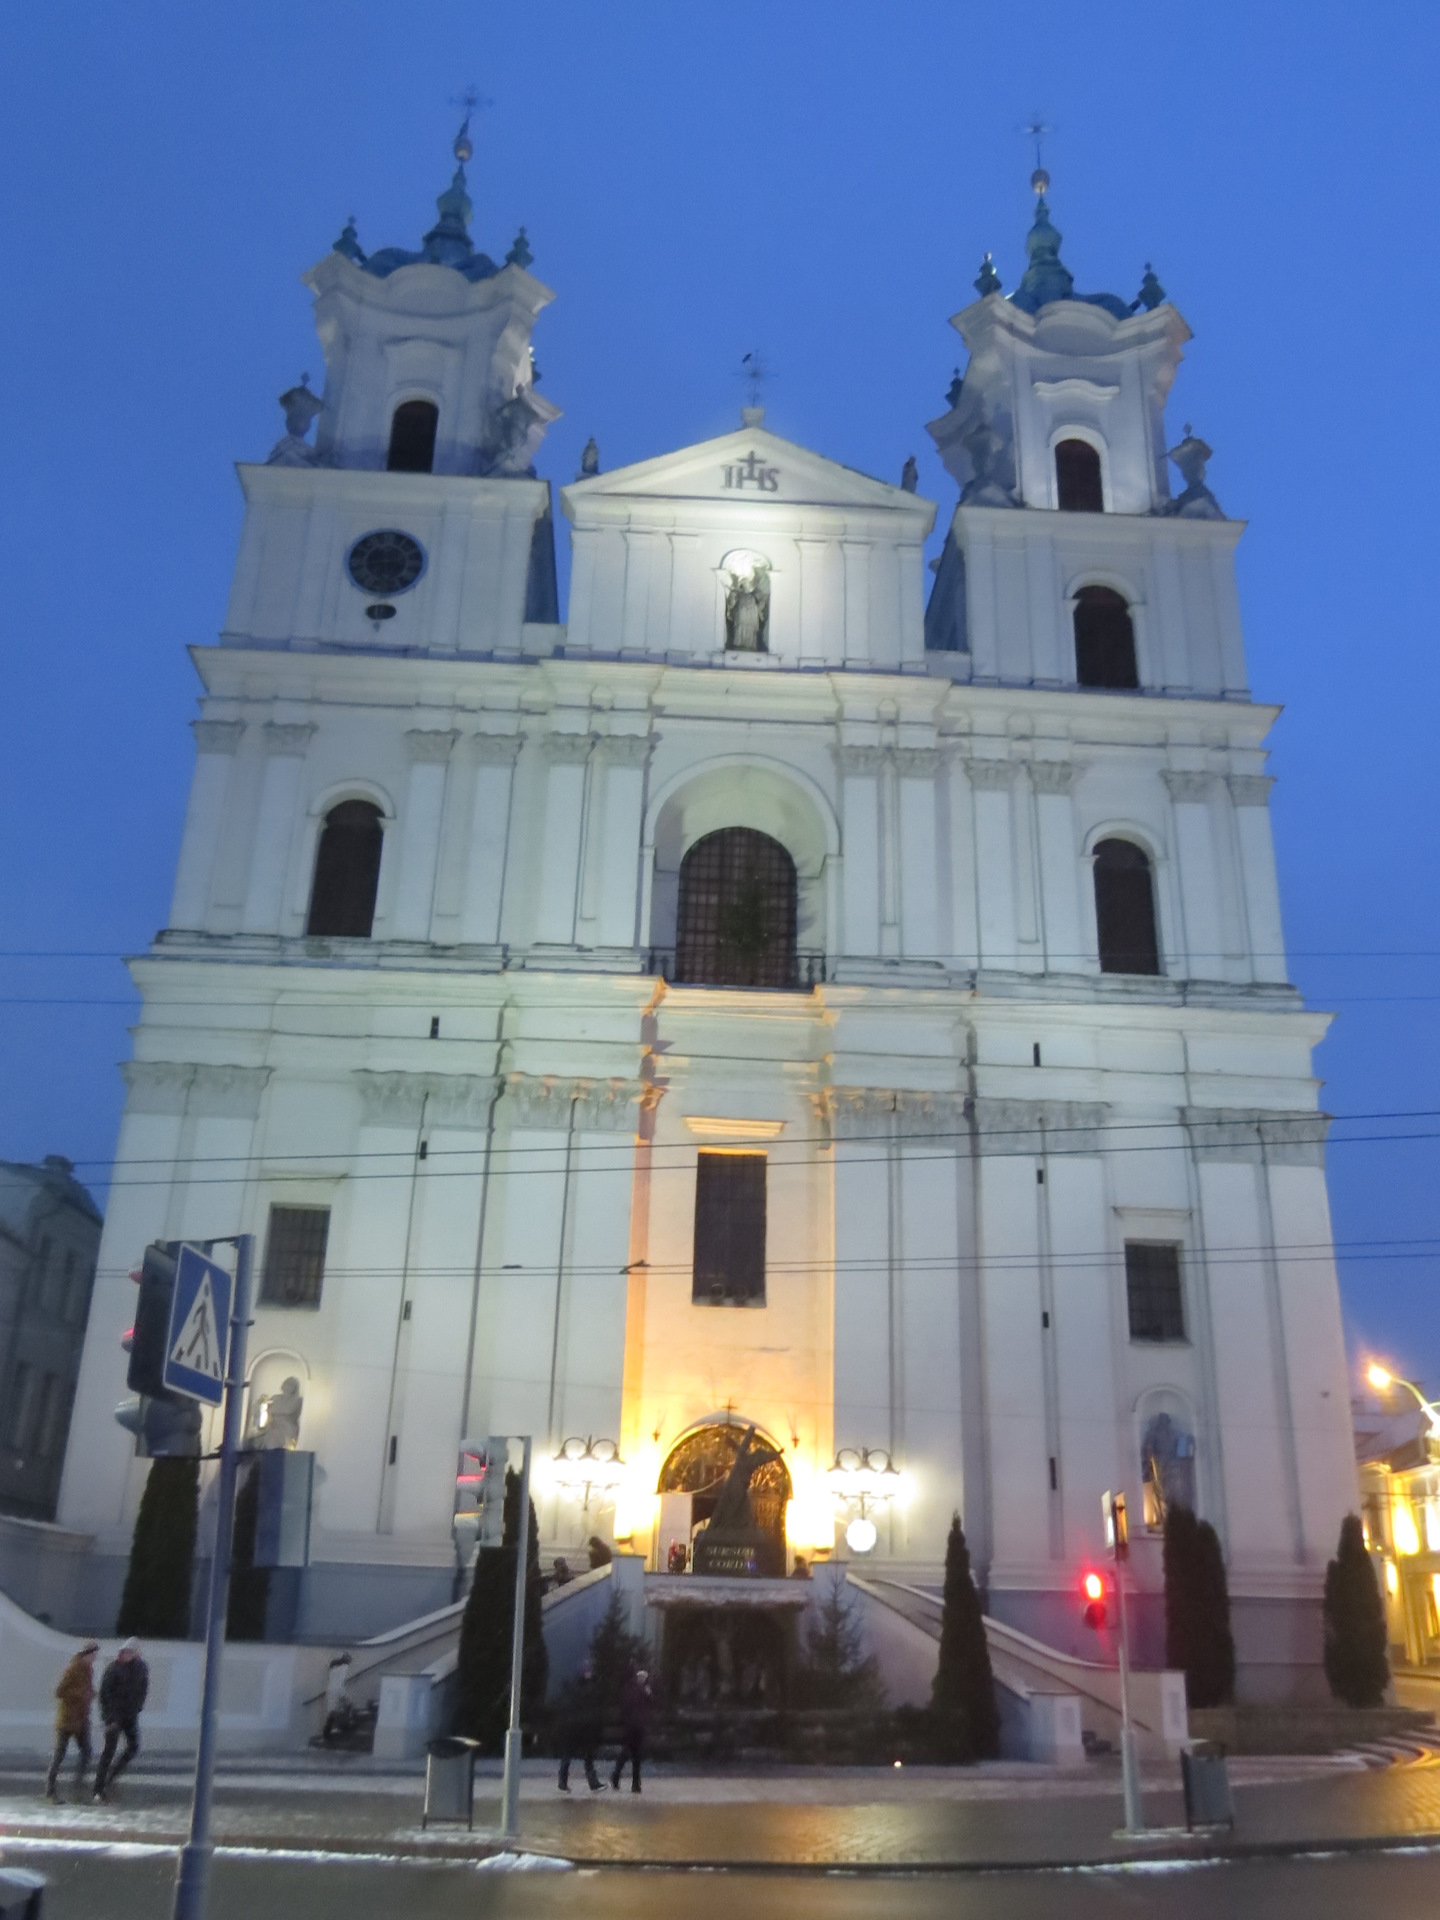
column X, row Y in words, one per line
column 1092, row 1591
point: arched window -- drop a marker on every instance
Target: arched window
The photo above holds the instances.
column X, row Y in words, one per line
column 1125, row 909
column 1077, row 478
column 412, row 437
column 736, row 923
column 1104, row 639
column 347, row 871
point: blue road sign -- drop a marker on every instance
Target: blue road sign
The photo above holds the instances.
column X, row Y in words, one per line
column 199, row 1336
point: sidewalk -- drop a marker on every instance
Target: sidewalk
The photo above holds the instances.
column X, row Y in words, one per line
column 922, row 1818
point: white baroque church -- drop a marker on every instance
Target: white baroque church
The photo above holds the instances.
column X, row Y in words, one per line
column 761, row 999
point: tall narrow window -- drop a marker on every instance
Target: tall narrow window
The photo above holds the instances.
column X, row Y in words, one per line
column 295, row 1257
column 1152, row 1290
column 1125, row 909
column 1078, row 487
column 412, row 437
column 729, row 1269
column 347, row 871
column 736, row 923
column 1104, row 640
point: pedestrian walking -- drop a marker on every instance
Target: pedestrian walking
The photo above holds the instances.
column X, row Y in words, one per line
column 636, row 1700
column 72, row 1716
column 123, row 1687
column 581, row 1729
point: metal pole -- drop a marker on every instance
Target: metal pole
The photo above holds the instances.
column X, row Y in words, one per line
column 510, row 1796
column 1129, row 1770
column 192, row 1878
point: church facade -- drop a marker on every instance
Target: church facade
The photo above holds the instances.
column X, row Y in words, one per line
column 762, row 999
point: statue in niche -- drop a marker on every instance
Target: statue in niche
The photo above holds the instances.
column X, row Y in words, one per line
column 747, row 604
column 277, row 1419
column 1168, row 1461
column 733, row 1512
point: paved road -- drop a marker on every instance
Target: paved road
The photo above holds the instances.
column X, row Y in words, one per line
column 99, row 1886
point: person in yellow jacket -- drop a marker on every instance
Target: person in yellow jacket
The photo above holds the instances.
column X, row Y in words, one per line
column 72, row 1716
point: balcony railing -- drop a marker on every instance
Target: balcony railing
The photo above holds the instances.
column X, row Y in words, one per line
column 762, row 972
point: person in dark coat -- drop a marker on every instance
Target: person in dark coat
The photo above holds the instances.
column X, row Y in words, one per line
column 72, row 1716
column 581, row 1729
column 123, row 1688
column 636, row 1700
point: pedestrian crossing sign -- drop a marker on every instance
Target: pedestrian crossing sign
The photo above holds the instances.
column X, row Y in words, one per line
column 199, row 1335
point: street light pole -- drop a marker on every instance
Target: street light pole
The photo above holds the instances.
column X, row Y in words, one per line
column 1381, row 1379
column 1129, row 1766
column 510, row 1795
column 192, row 1878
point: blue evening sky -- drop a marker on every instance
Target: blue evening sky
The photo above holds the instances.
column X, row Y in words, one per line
column 820, row 178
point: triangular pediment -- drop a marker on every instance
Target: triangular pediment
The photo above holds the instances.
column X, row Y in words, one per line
column 751, row 465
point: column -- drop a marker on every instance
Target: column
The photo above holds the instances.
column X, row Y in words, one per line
column 616, row 857
column 915, row 769
column 495, row 755
column 369, row 1246
column 216, row 741
column 1195, row 859
column 279, row 811
column 1250, row 799
column 566, row 757
column 420, row 832
column 435, row 1314
column 860, row 769
column 1053, row 782
column 991, row 782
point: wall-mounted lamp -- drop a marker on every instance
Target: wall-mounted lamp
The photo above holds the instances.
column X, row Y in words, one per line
column 862, row 1479
column 587, row 1466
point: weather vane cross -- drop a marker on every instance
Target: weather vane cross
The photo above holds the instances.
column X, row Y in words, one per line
column 754, row 370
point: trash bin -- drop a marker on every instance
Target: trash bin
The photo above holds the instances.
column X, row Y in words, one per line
column 1207, row 1785
column 450, row 1780
column 21, row 1894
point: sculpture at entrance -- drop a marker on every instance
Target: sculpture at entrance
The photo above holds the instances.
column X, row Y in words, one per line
column 733, row 1512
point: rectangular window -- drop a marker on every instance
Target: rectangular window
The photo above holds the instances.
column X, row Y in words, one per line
column 47, row 1424
column 23, row 1388
column 729, row 1269
column 295, row 1257
column 1152, row 1288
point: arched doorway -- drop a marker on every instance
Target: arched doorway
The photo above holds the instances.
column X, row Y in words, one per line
column 699, row 1467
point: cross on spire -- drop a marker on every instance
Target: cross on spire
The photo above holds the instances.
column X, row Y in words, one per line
column 754, row 369
column 470, row 102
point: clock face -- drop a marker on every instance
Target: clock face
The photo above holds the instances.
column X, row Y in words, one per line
column 385, row 562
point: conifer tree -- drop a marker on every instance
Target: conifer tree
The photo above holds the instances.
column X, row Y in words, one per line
column 483, row 1665
column 963, row 1691
column 837, row 1671
column 249, row 1596
column 1357, row 1664
column 614, row 1653
column 1198, row 1639
column 156, row 1601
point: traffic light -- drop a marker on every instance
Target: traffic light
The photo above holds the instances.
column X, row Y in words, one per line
column 480, row 1493
column 163, row 1423
column 1092, row 1592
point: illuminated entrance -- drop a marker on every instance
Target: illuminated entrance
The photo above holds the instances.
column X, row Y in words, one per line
column 699, row 1478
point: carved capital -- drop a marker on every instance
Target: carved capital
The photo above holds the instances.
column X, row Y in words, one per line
column 391, row 1099
column 157, row 1086
column 626, row 749
column 430, row 746
column 217, row 736
column 907, row 1113
column 1053, row 776
column 1188, row 788
column 548, row 1100
column 854, row 760
column 496, row 749
column 917, row 763
column 286, row 741
column 1039, row 1126
column 1250, row 789
column 228, row 1093
column 566, row 749
column 1257, row 1135
column 990, row 776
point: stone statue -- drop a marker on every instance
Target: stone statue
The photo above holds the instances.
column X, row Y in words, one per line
column 732, row 1509
column 301, row 407
column 910, row 474
column 277, row 1421
column 589, row 460
column 747, row 610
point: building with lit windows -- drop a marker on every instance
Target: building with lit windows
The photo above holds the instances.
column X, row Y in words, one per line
column 762, row 998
